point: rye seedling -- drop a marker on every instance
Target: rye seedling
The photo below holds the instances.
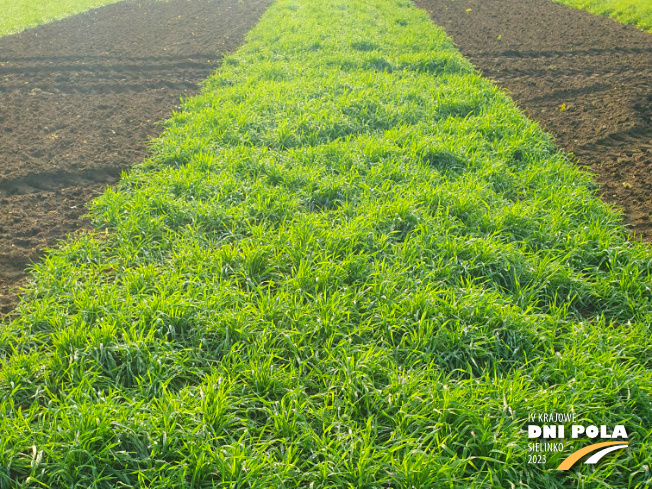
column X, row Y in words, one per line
column 350, row 262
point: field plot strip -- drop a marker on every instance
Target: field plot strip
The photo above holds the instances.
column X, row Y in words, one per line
column 635, row 12
column 350, row 262
column 586, row 79
column 79, row 100
column 18, row 15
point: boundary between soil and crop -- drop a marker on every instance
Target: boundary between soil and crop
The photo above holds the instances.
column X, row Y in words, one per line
column 587, row 80
column 350, row 262
column 80, row 98
column 18, row 15
column 634, row 12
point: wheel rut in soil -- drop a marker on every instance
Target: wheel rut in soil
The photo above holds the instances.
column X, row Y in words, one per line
column 586, row 79
column 80, row 99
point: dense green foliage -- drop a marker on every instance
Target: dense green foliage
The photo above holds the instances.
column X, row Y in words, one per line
column 636, row 12
column 351, row 262
column 18, row 15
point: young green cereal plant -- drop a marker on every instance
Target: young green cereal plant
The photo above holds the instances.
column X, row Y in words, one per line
column 349, row 262
column 635, row 12
column 18, row 15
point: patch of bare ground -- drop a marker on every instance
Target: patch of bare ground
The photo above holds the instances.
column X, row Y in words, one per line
column 586, row 79
column 80, row 99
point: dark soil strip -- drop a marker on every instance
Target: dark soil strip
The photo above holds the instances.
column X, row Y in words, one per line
column 586, row 79
column 80, row 98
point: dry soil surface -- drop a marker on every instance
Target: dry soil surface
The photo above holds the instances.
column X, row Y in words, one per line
column 586, row 79
column 79, row 101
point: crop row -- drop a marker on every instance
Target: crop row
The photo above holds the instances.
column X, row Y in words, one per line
column 350, row 262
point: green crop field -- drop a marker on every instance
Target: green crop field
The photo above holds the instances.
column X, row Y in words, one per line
column 636, row 12
column 350, row 262
column 18, row 15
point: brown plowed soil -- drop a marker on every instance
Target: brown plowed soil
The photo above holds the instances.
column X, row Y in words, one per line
column 80, row 98
column 586, row 79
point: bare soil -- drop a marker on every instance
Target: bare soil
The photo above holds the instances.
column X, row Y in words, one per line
column 79, row 101
column 586, row 79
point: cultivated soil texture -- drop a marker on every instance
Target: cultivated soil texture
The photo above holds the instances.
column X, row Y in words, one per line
column 586, row 79
column 81, row 98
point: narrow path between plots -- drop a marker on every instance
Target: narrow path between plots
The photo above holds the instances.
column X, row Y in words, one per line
column 80, row 98
column 586, row 79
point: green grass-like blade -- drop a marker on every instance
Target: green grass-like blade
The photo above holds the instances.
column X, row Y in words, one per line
column 351, row 262
column 18, row 15
column 635, row 12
